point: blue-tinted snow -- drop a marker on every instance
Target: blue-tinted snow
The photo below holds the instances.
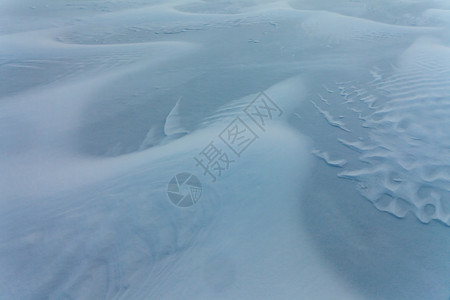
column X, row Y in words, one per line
column 343, row 194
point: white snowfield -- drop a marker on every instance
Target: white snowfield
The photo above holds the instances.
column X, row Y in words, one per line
column 328, row 123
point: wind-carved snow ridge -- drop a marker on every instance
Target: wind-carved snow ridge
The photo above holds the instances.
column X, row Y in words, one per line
column 151, row 139
column 283, row 92
column 325, row 156
column 173, row 124
column 329, row 118
column 407, row 154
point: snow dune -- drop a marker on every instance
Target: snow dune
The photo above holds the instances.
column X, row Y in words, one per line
column 338, row 190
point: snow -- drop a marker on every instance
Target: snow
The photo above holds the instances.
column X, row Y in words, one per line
column 338, row 189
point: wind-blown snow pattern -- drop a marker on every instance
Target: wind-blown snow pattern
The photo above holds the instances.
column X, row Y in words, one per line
column 408, row 150
column 314, row 134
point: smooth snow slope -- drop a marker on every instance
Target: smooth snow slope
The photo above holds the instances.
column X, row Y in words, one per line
column 342, row 194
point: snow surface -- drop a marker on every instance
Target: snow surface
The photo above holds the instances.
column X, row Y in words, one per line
column 343, row 192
